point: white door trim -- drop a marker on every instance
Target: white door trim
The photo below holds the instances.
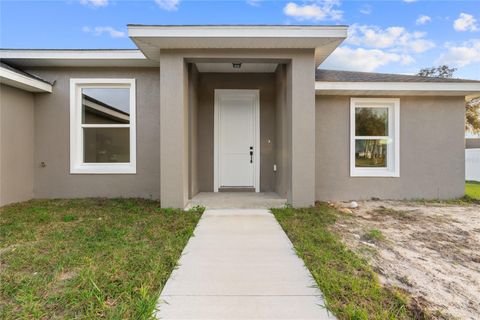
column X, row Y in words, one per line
column 256, row 146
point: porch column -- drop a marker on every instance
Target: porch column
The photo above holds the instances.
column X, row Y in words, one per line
column 301, row 78
column 173, row 131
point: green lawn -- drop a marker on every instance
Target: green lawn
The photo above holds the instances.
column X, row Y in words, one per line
column 352, row 290
column 472, row 190
column 472, row 196
column 88, row 258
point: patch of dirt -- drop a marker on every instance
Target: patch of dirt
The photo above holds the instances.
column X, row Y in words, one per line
column 432, row 252
column 66, row 275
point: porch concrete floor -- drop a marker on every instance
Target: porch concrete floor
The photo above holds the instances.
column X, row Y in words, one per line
column 245, row 200
column 240, row 264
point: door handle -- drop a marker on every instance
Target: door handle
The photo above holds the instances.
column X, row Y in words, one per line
column 251, row 154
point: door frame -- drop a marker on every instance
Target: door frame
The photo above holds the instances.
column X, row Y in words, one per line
column 256, row 141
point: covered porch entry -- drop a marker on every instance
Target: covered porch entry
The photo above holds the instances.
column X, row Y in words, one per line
column 239, row 126
column 234, row 135
column 237, row 108
column 233, row 128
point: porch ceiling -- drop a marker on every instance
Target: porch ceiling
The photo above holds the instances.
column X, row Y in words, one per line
column 151, row 39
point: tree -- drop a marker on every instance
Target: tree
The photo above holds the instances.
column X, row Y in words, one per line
column 443, row 71
column 472, row 114
column 472, row 107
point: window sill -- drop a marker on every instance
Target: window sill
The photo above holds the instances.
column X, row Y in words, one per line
column 374, row 173
column 104, row 169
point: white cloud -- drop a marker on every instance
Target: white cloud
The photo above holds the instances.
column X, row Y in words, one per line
column 315, row 11
column 254, row 3
column 409, row 1
column 95, row 3
column 465, row 22
column 371, row 47
column 461, row 55
column 346, row 58
column 423, row 19
column 98, row 31
column 394, row 38
column 366, row 9
column 169, row 5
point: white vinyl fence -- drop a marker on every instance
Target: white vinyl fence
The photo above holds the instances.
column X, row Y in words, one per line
column 472, row 164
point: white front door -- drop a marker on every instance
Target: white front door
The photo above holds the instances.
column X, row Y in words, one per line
column 237, row 135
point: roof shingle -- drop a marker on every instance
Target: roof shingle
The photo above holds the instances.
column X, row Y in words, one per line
column 354, row 76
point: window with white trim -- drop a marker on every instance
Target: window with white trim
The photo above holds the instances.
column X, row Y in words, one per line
column 375, row 137
column 102, row 126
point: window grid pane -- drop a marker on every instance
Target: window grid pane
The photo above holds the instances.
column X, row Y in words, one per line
column 371, row 121
column 105, row 105
column 371, row 153
column 106, row 145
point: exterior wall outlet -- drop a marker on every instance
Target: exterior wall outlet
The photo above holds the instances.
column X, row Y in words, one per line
column 274, row 168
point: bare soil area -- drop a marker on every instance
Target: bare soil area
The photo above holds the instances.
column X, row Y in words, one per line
column 431, row 251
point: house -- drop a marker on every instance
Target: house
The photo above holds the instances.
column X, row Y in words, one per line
column 214, row 108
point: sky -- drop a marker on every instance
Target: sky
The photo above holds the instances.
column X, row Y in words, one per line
column 395, row 36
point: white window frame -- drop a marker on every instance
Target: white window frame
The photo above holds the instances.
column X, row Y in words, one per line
column 393, row 148
column 77, row 165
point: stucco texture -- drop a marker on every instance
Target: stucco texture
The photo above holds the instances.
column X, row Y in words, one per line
column 282, row 156
column 52, row 138
column 16, row 145
column 432, row 152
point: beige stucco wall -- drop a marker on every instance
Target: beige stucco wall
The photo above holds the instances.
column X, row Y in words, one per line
column 208, row 82
column 174, row 135
column 432, row 155
column 52, row 138
column 16, row 145
column 282, row 157
column 193, row 76
column 301, row 129
column 432, row 140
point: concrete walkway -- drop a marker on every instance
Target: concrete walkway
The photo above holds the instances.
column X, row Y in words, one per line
column 240, row 265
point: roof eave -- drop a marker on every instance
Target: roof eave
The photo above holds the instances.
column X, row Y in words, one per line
column 21, row 81
column 75, row 58
column 236, row 31
column 397, row 88
column 152, row 39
